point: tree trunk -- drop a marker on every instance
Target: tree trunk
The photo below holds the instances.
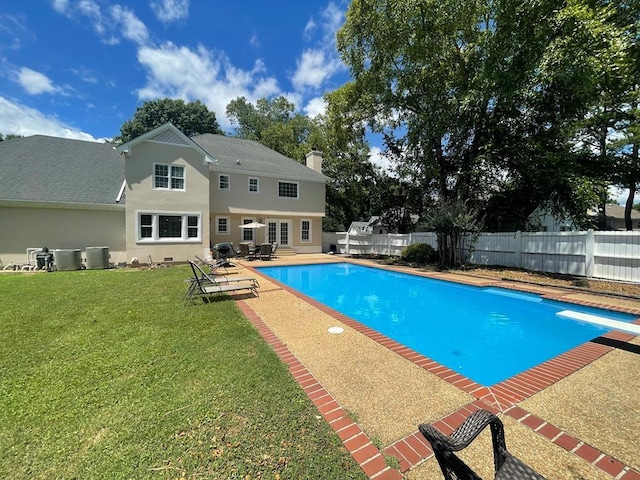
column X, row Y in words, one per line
column 632, row 181
column 629, row 206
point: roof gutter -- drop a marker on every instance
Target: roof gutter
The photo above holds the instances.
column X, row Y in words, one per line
column 63, row 205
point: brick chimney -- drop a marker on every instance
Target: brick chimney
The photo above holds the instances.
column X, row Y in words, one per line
column 314, row 160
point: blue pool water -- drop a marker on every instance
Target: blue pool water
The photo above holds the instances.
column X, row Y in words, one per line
column 485, row 334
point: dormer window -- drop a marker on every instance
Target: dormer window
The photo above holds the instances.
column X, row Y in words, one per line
column 168, row 177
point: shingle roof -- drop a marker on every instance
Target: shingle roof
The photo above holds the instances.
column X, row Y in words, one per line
column 614, row 210
column 253, row 158
column 59, row 170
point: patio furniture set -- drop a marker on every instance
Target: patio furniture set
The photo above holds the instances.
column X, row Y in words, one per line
column 254, row 252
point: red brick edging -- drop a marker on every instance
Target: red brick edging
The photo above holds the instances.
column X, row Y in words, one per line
column 355, row 440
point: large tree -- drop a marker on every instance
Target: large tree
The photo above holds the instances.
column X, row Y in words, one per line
column 190, row 118
column 612, row 127
column 482, row 97
column 274, row 123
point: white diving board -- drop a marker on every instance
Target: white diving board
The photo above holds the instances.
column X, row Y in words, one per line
column 529, row 297
column 631, row 328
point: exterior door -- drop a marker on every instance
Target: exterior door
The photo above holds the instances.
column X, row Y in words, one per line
column 279, row 231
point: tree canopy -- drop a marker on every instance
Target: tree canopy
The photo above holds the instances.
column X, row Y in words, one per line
column 274, row 123
column 190, row 118
column 484, row 99
column 8, row 136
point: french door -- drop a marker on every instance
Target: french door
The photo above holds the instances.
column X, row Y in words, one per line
column 279, row 231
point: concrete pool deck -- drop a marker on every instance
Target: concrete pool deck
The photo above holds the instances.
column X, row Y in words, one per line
column 573, row 417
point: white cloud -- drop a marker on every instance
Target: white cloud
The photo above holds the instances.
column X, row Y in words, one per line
column 379, row 159
column 320, row 63
column 19, row 119
column 316, row 106
column 130, row 26
column 309, row 28
column 86, row 75
column 111, row 25
column 254, row 41
column 168, row 11
column 179, row 72
column 314, row 68
column 34, row 82
column 333, row 18
column 90, row 9
column 61, row 6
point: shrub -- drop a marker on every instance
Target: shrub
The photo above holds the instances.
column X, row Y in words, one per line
column 418, row 253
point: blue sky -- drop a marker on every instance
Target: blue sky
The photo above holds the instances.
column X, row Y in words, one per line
column 79, row 68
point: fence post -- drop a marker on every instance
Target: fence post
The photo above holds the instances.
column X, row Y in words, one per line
column 589, row 250
column 518, row 252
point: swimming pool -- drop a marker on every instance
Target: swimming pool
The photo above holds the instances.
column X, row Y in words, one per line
column 485, row 334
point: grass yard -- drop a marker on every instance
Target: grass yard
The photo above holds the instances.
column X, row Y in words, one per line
column 106, row 374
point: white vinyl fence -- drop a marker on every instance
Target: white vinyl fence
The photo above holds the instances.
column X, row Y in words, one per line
column 608, row 255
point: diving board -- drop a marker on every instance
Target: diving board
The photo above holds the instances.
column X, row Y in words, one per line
column 529, row 297
column 631, row 328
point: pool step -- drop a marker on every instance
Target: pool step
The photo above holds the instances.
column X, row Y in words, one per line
column 285, row 252
column 631, row 328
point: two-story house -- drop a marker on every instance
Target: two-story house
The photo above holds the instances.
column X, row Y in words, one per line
column 162, row 195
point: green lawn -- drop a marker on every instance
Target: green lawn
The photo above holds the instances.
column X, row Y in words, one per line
column 106, row 374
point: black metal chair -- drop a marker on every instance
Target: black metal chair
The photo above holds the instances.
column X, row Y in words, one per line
column 247, row 251
column 507, row 466
column 265, row 251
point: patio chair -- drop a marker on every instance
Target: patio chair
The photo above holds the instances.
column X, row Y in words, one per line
column 247, row 251
column 214, row 265
column 507, row 467
column 274, row 247
column 228, row 277
column 265, row 251
column 203, row 284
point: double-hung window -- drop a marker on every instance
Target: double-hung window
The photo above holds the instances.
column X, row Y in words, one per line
column 168, row 177
column 146, row 226
column 247, row 233
column 305, row 230
column 222, row 226
column 169, row 227
column 253, row 185
column 287, row 189
column 223, row 182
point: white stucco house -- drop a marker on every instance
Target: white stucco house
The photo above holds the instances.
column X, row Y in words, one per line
column 162, row 195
